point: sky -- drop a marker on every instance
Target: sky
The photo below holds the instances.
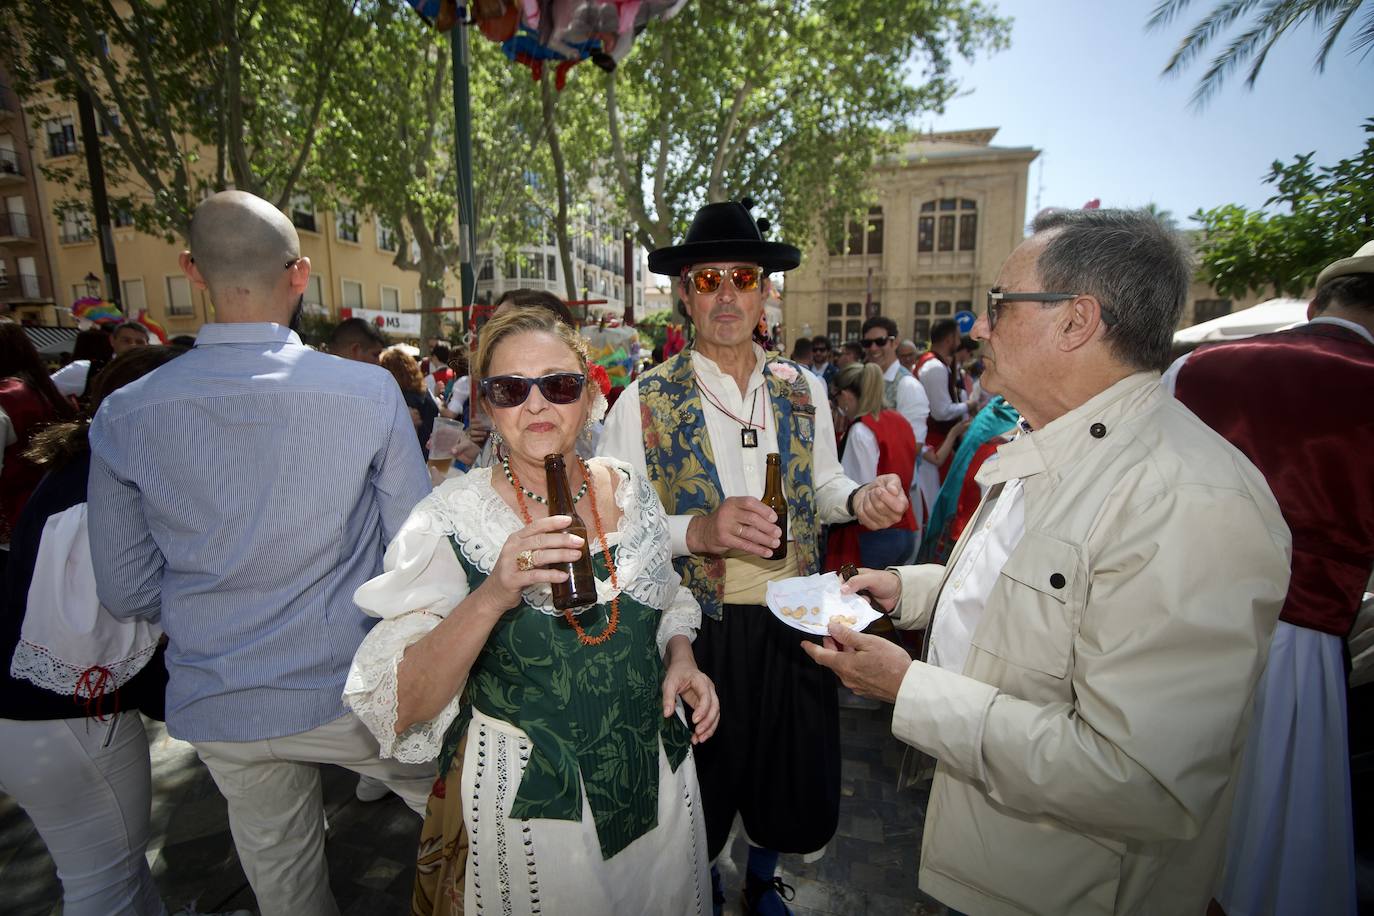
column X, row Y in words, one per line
column 1081, row 82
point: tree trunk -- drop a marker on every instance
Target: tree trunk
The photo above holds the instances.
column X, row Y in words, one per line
column 431, row 296
column 560, row 178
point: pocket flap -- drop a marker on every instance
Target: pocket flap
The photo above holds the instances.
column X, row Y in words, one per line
column 1046, row 564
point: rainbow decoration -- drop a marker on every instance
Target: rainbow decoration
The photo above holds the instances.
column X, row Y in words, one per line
column 96, row 310
column 153, row 327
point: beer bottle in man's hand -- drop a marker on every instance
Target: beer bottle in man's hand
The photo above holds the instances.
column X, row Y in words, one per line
column 579, row 591
column 773, row 499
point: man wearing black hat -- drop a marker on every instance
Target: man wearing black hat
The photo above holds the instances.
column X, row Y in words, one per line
column 700, row 426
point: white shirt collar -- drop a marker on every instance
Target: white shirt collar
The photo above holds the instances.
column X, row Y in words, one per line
column 1348, row 325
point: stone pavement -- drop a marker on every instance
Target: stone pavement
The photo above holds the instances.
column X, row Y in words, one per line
column 869, row 868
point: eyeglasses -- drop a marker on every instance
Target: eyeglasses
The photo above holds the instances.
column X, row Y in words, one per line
column 708, row 279
column 998, row 298
column 513, row 390
column 876, row 341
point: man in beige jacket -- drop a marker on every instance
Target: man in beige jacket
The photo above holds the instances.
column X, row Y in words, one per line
column 1097, row 635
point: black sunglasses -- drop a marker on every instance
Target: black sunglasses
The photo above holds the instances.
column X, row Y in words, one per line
column 512, row 390
column 877, row 341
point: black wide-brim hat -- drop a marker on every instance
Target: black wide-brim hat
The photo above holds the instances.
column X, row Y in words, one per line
column 725, row 232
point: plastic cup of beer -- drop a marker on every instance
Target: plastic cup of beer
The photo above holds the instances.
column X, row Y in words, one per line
column 446, row 437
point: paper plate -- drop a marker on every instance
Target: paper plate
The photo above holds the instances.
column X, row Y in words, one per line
column 809, row 603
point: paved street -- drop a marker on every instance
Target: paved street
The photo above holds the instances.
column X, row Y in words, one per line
column 869, row 868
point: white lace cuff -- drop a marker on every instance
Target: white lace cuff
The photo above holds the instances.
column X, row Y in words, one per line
column 370, row 690
column 681, row 618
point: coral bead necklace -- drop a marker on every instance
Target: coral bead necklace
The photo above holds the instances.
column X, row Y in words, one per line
column 568, row 615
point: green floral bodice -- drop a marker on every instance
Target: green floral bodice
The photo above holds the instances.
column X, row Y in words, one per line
column 593, row 713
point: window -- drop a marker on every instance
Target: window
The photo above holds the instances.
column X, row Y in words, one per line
column 854, row 308
column 946, row 238
column 391, row 299
column 943, row 308
column 533, row 268
column 854, row 238
column 833, row 330
column 104, row 125
column 968, row 232
column 487, row 271
column 834, row 310
column 61, row 137
column 346, row 224
column 122, row 217
column 76, row 226
column 386, row 237
column 314, row 290
column 1207, row 309
column 352, row 294
column 954, row 229
column 178, row 296
column 303, row 212
column 852, row 329
column 963, row 305
column 922, row 329
column 511, row 271
column 922, row 308
column 875, row 230
column 135, row 296
column 551, row 267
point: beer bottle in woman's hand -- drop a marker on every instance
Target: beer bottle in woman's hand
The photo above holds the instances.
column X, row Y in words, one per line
column 579, row 590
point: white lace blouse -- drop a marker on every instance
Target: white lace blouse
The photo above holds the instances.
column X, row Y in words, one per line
column 422, row 581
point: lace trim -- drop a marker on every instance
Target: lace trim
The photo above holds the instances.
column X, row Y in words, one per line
column 37, row 665
column 371, row 690
column 480, row 521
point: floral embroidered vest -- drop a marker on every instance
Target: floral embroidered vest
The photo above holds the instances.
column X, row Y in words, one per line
column 682, row 467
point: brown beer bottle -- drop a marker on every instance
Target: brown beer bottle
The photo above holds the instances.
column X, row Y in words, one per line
column 773, row 499
column 579, row 591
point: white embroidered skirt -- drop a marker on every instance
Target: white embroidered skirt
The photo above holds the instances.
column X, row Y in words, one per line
column 549, row 866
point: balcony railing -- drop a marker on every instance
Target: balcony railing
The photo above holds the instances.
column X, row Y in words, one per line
column 14, row 225
column 24, row 288
column 9, row 164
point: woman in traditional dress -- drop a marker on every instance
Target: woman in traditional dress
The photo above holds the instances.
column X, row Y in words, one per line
column 566, row 780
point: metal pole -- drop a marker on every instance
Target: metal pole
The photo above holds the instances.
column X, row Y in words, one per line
column 630, row 289
column 462, row 117
column 90, row 139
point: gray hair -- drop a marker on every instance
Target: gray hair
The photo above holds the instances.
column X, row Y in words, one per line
column 1134, row 265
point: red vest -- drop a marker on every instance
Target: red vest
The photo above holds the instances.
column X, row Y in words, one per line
column 896, row 454
column 1297, row 403
column 28, row 412
column 936, row 430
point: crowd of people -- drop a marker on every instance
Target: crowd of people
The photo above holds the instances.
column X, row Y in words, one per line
column 1133, row 586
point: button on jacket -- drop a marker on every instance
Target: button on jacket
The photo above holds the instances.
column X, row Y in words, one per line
column 1087, row 749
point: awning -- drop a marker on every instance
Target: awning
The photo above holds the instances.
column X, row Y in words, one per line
column 1274, row 315
column 51, row 341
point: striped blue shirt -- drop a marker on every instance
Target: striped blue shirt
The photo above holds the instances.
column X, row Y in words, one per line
column 243, row 491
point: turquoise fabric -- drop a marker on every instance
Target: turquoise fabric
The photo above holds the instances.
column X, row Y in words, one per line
column 994, row 419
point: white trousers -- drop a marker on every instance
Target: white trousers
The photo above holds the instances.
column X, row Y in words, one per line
column 87, row 785
column 276, row 809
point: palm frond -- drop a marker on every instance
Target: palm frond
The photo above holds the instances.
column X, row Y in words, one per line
column 1207, row 30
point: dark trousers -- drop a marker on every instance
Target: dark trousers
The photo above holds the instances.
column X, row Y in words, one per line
column 775, row 758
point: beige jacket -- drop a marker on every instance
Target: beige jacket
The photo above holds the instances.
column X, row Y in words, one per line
column 1087, row 750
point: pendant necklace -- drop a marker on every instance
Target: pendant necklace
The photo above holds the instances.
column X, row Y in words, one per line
column 749, row 430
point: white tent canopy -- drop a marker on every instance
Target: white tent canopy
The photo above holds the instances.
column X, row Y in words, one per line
column 1274, row 315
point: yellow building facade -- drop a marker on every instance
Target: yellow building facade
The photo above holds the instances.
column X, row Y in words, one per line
column 351, row 253
column 949, row 208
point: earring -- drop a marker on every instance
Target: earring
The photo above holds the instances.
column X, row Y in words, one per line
column 496, row 442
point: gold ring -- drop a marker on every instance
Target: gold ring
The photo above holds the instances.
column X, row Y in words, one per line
column 524, row 560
